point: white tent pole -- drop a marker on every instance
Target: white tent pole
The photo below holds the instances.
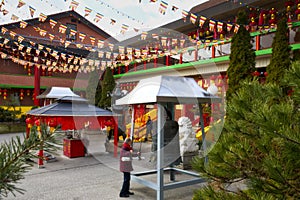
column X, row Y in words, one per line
column 160, row 155
column 132, row 124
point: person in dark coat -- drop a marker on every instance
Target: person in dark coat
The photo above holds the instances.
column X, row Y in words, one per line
column 126, row 155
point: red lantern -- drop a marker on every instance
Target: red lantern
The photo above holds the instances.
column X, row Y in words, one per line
column 21, row 94
column 28, row 122
column 273, row 20
column 256, row 73
column 297, row 12
column 29, row 70
column 266, row 74
column 262, row 17
column 253, row 23
column 288, row 5
column 4, row 94
column 37, row 122
column 28, row 92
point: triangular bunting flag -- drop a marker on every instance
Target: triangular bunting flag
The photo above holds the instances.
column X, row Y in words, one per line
column 42, row 17
column 14, row 17
column 62, row 28
column 193, row 18
column 144, row 35
column 74, row 5
column 87, row 11
column 82, row 36
column 184, row 15
column 163, row 7
column 20, row 4
column 112, row 21
column 202, row 21
column 23, row 24
column 124, row 28
column 174, row 8
column 93, row 39
column 111, row 46
column 51, row 37
column 43, row 33
column 31, row 10
column 20, row 39
column 5, row 12
column 100, row 44
column 52, row 23
column 212, row 24
column 98, row 17
column 220, row 27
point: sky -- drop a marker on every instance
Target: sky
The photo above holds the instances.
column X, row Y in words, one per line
column 141, row 16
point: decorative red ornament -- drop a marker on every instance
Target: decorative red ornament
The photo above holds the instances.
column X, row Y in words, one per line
column 272, row 20
column 266, row 74
column 4, row 94
column 256, row 73
column 21, row 94
column 52, row 123
column 297, row 12
column 37, row 122
column 252, row 23
column 28, row 92
column 288, row 5
column 28, row 120
column 213, row 77
column 262, row 17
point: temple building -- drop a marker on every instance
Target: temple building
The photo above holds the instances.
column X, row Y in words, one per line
column 44, row 52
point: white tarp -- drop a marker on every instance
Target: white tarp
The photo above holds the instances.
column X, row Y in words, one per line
column 173, row 89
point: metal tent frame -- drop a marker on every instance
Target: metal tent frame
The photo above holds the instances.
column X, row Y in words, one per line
column 163, row 90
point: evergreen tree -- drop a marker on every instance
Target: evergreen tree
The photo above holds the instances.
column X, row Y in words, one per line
column 259, row 150
column 14, row 156
column 93, row 90
column 280, row 60
column 242, row 57
column 108, row 85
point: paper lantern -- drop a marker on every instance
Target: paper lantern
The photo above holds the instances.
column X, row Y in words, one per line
column 4, row 94
column 21, row 94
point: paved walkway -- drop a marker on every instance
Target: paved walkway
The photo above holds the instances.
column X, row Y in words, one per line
column 95, row 176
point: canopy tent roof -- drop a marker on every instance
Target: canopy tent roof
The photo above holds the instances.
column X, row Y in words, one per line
column 56, row 92
column 168, row 89
column 66, row 107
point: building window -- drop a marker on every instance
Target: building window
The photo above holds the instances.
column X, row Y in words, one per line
column 70, row 35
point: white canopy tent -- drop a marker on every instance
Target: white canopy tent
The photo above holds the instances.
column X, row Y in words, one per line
column 164, row 90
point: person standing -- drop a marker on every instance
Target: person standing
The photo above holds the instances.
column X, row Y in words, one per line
column 126, row 155
column 148, row 128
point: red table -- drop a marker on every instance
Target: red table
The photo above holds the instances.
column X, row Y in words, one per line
column 73, row 148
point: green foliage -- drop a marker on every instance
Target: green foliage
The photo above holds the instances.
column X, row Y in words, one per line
column 280, row 60
column 14, row 155
column 7, row 115
column 108, row 85
column 93, row 90
column 259, row 149
column 242, row 59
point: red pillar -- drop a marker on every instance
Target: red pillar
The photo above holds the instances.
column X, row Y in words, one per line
column 213, row 51
column 180, row 58
column 167, row 60
column 116, row 138
column 196, row 54
column 37, row 84
column 257, row 45
column 145, row 64
column 155, row 62
column 119, row 70
column 126, row 68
